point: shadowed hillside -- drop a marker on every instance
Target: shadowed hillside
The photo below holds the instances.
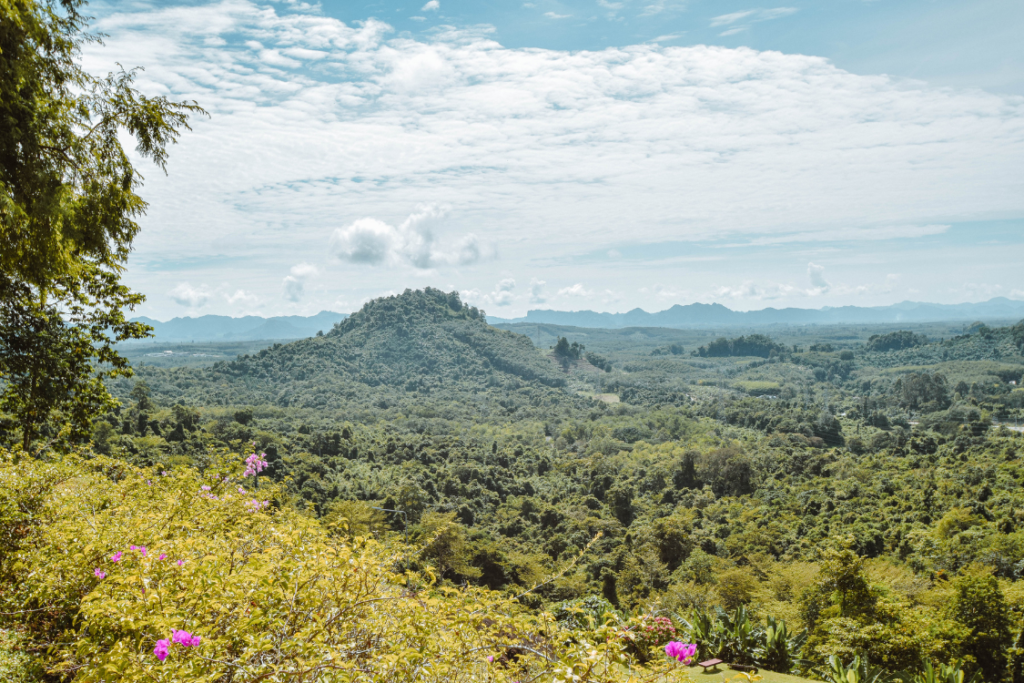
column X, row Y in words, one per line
column 393, row 353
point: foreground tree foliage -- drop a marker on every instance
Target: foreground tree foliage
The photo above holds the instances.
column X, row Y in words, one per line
column 102, row 561
column 68, row 211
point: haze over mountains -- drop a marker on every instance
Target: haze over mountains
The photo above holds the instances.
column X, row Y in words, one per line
column 698, row 315
column 209, row 328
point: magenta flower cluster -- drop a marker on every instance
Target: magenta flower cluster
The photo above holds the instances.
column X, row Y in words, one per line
column 116, row 557
column 183, row 638
column 683, row 652
column 254, row 464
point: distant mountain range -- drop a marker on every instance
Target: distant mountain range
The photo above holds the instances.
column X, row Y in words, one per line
column 208, row 328
column 717, row 315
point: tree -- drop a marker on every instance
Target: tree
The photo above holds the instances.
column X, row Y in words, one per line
column 979, row 605
column 55, row 354
column 68, row 211
column 67, row 187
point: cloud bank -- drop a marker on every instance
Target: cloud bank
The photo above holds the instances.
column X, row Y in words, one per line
column 326, row 137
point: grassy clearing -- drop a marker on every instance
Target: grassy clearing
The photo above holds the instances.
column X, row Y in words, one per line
column 759, row 387
column 724, row 673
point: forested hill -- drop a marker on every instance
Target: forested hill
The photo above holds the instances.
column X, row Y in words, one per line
column 422, row 351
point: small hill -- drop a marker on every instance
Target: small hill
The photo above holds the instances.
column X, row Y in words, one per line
column 979, row 343
column 422, row 351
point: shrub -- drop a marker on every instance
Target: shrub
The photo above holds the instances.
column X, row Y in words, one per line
column 108, row 565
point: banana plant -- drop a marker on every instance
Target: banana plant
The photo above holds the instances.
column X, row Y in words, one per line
column 857, row 671
column 779, row 647
column 944, row 673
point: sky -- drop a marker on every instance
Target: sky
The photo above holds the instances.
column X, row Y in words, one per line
column 583, row 154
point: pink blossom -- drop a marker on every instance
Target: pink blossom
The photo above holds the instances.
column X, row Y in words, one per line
column 185, row 638
column 682, row 652
column 163, row 556
column 254, row 464
column 181, row 562
column 257, row 504
column 100, row 573
column 116, row 557
column 161, row 649
column 205, row 487
column 490, row 658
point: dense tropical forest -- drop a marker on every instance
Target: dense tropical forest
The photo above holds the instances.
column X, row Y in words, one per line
column 416, row 495
column 858, row 493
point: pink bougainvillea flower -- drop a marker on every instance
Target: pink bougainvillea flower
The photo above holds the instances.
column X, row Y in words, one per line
column 133, row 547
column 100, row 573
column 116, row 557
column 161, row 649
column 181, row 562
column 682, row 652
column 186, row 639
column 142, row 549
column 254, row 464
column 163, row 556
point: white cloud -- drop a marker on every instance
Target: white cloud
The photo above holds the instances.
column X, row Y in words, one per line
column 373, row 242
column 431, row 6
column 366, row 240
column 242, row 298
column 752, row 291
column 749, row 17
column 816, row 274
column 575, row 290
column 354, row 122
column 555, row 15
column 752, row 15
column 502, row 294
column 192, row 297
column 294, row 283
column 537, row 295
column 731, row 18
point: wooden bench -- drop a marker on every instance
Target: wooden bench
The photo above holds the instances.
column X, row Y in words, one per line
column 710, row 664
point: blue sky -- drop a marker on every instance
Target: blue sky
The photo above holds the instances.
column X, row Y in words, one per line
column 950, row 42
column 581, row 154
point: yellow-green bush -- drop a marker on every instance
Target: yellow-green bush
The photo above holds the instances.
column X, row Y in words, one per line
column 272, row 595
